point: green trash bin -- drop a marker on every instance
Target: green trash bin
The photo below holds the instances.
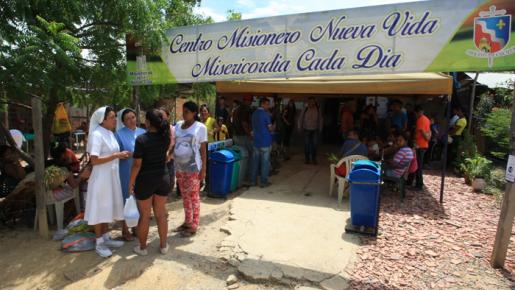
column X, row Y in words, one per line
column 235, row 150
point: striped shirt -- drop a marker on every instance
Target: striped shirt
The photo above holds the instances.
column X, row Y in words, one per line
column 401, row 160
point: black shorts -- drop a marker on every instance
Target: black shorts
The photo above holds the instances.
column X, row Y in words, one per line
column 146, row 186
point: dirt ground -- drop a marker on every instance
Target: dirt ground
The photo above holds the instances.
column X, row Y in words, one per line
column 422, row 245
column 34, row 263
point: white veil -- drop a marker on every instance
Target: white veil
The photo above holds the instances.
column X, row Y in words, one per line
column 119, row 121
column 119, row 116
column 96, row 119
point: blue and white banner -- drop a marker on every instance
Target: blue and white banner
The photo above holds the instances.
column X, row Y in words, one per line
column 452, row 35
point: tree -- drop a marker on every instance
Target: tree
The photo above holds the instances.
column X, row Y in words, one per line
column 497, row 131
column 233, row 15
column 73, row 50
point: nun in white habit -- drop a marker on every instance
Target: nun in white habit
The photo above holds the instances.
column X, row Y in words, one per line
column 104, row 203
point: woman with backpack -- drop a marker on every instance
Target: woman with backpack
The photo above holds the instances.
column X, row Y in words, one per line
column 149, row 182
column 190, row 155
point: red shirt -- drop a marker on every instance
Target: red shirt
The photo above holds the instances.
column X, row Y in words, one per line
column 424, row 125
column 74, row 162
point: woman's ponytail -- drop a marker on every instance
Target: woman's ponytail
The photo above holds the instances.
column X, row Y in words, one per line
column 156, row 119
column 165, row 131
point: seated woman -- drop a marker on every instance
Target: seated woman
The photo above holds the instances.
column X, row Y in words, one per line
column 11, row 171
column 390, row 145
column 401, row 160
column 59, row 182
column 59, row 174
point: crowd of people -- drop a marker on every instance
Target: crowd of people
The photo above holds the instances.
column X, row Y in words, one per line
column 127, row 160
column 411, row 135
column 130, row 161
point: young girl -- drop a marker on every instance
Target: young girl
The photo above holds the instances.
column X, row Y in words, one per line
column 190, row 156
column 149, row 180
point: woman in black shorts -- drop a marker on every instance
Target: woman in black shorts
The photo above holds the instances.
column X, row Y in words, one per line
column 149, row 180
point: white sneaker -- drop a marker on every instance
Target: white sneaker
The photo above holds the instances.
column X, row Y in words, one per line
column 164, row 250
column 113, row 243
column 103, row 251
column 139, row 251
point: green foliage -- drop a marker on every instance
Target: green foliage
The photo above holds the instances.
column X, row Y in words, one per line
column 497, row 131
column 503, row 96
column 466, row 149
column 483, row 108
column 205, row 93
column 74, row 51
column 333, row 159
column 498, row 179
column 66, row 50
column 497, row 184
column 233, row 15
column 476, row 167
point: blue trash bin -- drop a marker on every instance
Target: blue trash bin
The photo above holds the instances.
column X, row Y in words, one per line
column 366, row 164
column 365, row 182
column 220, row 172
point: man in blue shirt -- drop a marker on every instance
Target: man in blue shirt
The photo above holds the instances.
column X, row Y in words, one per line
column 399, row 118
column 261, row 131
column 353, row 145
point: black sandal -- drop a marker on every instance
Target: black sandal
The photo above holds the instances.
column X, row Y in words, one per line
column 181, row 228
column 188, row 233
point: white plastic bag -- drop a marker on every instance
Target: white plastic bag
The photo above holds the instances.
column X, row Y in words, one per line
column 130, row 212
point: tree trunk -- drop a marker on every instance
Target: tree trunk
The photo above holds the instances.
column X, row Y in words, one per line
column 39, row 168
column 48, row 119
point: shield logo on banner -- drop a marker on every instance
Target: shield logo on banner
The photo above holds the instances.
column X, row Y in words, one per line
column 492, row 34
column 492, row 31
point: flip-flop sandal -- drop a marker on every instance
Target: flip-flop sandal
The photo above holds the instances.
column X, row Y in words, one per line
column 128, row 237
column 181, row 228
column 188, row 233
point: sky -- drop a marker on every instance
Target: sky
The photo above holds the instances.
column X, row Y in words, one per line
column 264, row 8
column 249, row 9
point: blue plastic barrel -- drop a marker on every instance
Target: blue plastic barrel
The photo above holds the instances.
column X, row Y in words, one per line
column 220, row 172
column 365, row 182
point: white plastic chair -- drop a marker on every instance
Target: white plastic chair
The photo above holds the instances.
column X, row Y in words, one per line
column 342, row 181
column 59, row 208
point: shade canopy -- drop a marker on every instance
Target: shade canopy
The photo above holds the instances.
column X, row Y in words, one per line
column 403, row 84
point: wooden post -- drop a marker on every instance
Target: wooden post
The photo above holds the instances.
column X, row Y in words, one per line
column 39, row 164
column 445, row 147
column 502, row 238
column 135, row 103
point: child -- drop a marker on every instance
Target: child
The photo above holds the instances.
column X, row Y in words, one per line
column 221, row 132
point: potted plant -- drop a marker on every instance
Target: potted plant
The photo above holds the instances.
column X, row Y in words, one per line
column 477, row 171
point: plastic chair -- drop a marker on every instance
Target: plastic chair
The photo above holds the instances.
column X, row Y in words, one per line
column 59, row 208
column 342, row 181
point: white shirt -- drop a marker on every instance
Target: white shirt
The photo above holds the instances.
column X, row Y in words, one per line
column 18, row 137
column 187, row 146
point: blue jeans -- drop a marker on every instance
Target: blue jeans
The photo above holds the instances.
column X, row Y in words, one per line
column 260, row 156
column 310, row 144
